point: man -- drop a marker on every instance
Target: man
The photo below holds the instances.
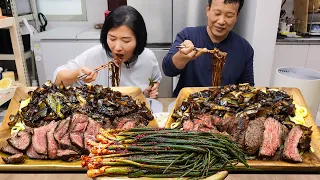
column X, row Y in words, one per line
column 195, row 67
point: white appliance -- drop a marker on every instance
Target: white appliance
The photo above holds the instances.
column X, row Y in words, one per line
column 56, row 47
column 306, row 80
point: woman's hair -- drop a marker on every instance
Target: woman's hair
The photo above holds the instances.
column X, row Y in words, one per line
column 130, row 17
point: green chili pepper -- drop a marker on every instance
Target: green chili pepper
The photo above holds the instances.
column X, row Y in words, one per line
column 151, row 83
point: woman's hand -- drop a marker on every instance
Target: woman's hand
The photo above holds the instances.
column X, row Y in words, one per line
column 152, row 92
column 91, row 76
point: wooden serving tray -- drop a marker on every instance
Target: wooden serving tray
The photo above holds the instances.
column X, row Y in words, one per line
column 311, row 161
column 21, row 93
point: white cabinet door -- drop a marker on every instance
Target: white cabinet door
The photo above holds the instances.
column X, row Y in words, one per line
column 56, row 53
column 289, row 55
column 313, row 60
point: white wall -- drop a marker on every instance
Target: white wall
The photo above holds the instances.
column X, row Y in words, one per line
column 258, row 23
column 246, row 20
column 95, row 15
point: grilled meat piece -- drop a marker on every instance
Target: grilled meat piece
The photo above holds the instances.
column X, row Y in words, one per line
column 14, row 159
column 291, row 151
column 21, row 140
column 271, row 138
column 254, row 135
column 9, row 150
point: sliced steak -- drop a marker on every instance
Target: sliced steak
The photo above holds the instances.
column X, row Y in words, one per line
column 254, row 136
column 206, row 120
column 216, row 120
column 228, row 125
column 188, row 125
column 203, row 123
column 68, row 155
column 39, row 138
column 9, row 150
column 78, row 123
column 77, row 139
column 65, row 143
column 78, row 126
column 91, row 132
column 14, row 159
column 290, row 151
column 52, row 143
column 239, row 134
column 271, row 138
column 283, row 135
column 107, row 123
column 128, row 122
column 21, row 140
column 32, row 153
column 61, row 130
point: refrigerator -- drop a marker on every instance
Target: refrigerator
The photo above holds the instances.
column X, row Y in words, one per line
column 164, row 19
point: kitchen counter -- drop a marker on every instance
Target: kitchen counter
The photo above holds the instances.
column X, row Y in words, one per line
column 299, row 41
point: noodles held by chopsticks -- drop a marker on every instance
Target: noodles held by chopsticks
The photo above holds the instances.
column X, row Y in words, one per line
column 218, row 61
column 115, row 73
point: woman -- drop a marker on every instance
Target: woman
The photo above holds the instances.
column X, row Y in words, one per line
column 124, row 37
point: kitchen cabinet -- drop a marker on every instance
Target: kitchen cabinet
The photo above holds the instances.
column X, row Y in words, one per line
column 289, row 55
column 313, row 60
column 56, row 53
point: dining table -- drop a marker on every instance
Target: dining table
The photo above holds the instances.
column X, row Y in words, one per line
column 260, row 175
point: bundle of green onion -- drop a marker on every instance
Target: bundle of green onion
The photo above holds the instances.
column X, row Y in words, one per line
column 161, row 153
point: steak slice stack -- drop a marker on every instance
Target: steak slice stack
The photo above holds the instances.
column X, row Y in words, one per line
column 52, row 145
column 32, row 153
column 61, row 130
column 254, row 135
column 91, row 133
column 77, row 124
column 271, row 138
column 39, row 138
column 21, row 140
column 9, row 150
column 290, row 151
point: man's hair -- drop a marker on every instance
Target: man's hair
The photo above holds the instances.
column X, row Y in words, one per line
column 241, row 2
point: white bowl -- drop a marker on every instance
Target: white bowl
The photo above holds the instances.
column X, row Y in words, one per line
column 161, row 118
column 5, row 91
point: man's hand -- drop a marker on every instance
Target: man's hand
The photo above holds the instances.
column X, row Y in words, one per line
column 152, row 92
column 189, row 53
column 184, row 55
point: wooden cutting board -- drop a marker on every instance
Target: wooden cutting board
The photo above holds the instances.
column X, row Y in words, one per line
column 21, row 93
column 311, row 161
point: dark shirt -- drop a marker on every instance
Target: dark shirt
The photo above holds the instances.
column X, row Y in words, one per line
column 198, row 73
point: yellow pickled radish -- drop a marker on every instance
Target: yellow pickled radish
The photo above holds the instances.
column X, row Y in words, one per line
column 5, row 83
column 24, row 103
column 302, row 111
column 297, row 119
